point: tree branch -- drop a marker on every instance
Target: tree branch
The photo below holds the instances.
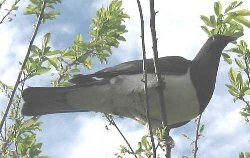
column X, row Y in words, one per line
column 160, row 85
column 197, row 136
column 23, row 65
column 145, row 80
column 9, row 11
column 112, row 122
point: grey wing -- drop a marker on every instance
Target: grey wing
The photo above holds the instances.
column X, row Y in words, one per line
column 170, row 64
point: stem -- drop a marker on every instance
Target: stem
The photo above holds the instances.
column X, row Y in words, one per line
column 111, row 121
column 146, row 80
column 197, row 136
column 9, row 11
column 160, row 86
column 247, row 70
column 23, row 65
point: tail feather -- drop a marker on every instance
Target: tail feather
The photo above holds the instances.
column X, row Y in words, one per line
column 46, row 100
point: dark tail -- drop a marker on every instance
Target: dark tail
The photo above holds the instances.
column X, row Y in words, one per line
column 45, row 100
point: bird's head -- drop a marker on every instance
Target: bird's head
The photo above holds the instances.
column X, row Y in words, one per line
column 222, row 39
column 213, row 47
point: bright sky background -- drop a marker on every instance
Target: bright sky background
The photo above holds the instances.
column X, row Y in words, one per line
column 80, row 135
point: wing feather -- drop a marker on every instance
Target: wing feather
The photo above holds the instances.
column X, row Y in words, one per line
column 170, row 65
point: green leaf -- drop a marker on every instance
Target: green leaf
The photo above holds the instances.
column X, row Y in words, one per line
column 230, row 16
column 239, row 63
column 79, row 37
column 41, row 70
column 204, row 28
column 201, row 128
column 243, row 20
column 30, row 9
column 239, row 79
column 51, row 15
column 46, row 39
column 241, row 155
column 247, row 92
column 144, row 142
column 243, row 12
column 217, row 8
column 14, row 7
column 28, row 123
column 35, row 51
column 206, row 20
column 233, row 5
column 232, row 75
column 227, row 58
column 35, row 150
column 54, row 62
column 213, row 20
column 87, row 63
column 233, row 91
column 54, row 52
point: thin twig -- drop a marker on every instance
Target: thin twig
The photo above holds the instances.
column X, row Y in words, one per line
column 112, row 122
column 145, row 80
column 160, row 86
column 23, row 65
column 9, row 11
column 247, row 70
column 197, row 136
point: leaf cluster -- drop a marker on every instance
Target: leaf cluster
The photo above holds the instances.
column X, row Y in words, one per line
column 244, row 155
column 144, row 147
column 108, row 29
column 226, row 22
column 239, row 76
column 106, row 32
column 35, row 7
column 19, row 138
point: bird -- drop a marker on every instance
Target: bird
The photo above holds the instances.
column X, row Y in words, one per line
column 119, row 90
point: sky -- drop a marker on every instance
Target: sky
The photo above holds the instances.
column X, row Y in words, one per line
column 78, row 135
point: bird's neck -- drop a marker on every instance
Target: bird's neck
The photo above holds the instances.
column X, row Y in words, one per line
column 204, row 71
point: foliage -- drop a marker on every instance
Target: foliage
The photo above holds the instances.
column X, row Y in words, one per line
column 19, row 137
column 231, row 22
column 228, row 22
column 239, row 76
column 144, row 147
column 9, row 11
column 35, row 7
column 244, row 155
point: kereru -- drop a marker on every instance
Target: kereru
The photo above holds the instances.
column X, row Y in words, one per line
column 119, row 89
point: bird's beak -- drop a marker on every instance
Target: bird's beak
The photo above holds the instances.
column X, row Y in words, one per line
column 232, row 39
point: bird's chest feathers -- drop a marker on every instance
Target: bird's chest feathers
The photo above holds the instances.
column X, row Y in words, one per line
column 179, row 94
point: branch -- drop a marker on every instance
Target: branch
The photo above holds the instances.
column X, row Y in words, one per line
column 112, row 122
column 160, row 85
column 9, row 11
column 197, row 136
column 146, row 81
column 23, row 65
column 247, row 70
